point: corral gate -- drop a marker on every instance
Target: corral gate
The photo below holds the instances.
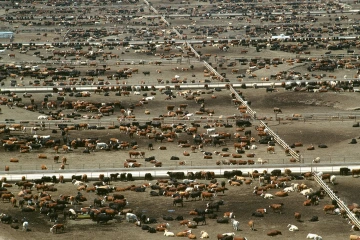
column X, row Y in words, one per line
column 340, row 203
column 280, row 141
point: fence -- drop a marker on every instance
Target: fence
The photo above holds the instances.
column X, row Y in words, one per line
column 14, row 175
column 192, row 50
column 177, row 33
column 251, row 112
column 334, row 165
column 211, row 69
column 340, row 203
column 281, row 142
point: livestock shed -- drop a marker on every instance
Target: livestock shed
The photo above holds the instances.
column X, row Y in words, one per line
column 6, row 34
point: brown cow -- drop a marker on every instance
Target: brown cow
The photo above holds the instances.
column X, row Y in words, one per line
column 43, row 156
column 297, row 216
column 57, row 227
column 136, row 154
column 328, row 208
column 206, row 195
column 276, row 207
column 281, row 194
column 274, row 233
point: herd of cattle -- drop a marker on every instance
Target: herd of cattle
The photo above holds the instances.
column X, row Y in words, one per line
column 183, row 191
column 109, row 201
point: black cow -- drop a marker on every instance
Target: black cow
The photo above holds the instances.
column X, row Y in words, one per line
column 212, row 216
column 102, row 218
column 174, row 158
column 53, row 216
column 145, row 227
column 178, row 200
column 148, row 176
column 200, row 219
column 140, row 189
column 322, row 146
column 212, row 205
column 222, row 220
column 154, row 194
column 152, row 230
column 113, row 176
column 38, row 181
column 314, row 219
column 76, row 177
column 106, row 180
column 176, row 175
column 146, row 73
column 168, row 218
column 148, row 159
column 102, row 191
column 6, row 219
column 179, row 218
column 122, row 176
column 257, row 214
column 196, row 194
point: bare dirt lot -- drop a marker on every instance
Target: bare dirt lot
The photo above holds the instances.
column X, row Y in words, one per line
column 308, row 117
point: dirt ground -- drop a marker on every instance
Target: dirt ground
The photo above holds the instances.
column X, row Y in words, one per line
column 240, row 200
column 325, row 120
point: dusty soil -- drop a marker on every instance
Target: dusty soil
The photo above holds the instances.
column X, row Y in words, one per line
column 332, row 130
column 240, row 200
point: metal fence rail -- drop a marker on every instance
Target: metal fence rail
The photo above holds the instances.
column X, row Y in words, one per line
column 251, row 112
column 340, row 203
column 211, row 69
column 281, row 142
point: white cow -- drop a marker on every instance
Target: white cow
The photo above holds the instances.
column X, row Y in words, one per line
column 292, row 228
column 253, row 147
column 130, row 217
column 333, row 179
column 101, row 145
column 314, row 236
column 149, row 98
column 204, row 234
column 25, row 226
column 235, row 224
column 168, row 234
column 267, row 195
column 136, row 93
column 210, row 130
column 43, row 117
column 229, row 234
column 77, row 183
column 306, row 191
column 289, row 189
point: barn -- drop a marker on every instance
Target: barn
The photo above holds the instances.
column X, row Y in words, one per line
column 6, row 34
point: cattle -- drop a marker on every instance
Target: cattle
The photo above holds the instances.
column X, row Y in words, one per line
column 235, row 224
column 292, row 228
column 314, row 236
column 168, row 234
column 274, row 233
column 276, row 207
column 178, row 201
column 277, row 110
column 314, row 219
column 222, row 220
column 355, row 172
column 297, row 216
column 57, row 227
column 354, row 237
column 176, row 175
column 206, row 195
column 199, row 219
column 130, row 217
column 329, row 208
column 204, row 234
